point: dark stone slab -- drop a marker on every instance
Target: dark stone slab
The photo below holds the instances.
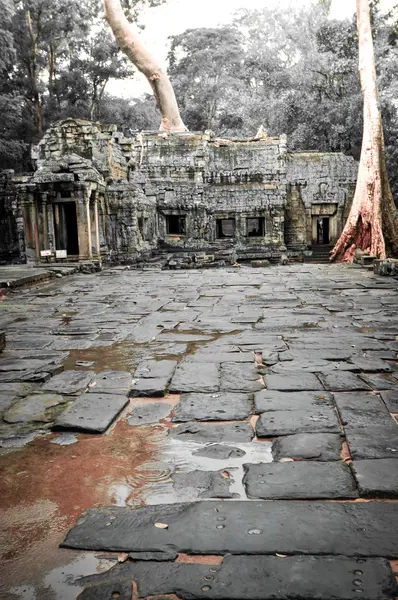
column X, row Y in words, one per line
column 154, row 556
column 377, row 478
column 299, row 480
column 2, row 340
column 342, row 381
column 111, row 382
column 292, row 381
column 390, row 398
column 155, row 369
column 221, row 406
column 308, row 446
column 195, row 377
column 228, row 432
column 122, row 590
column 92, row 412
column 348, row 529
column 370, row 365
column 69, row 382
column 359, row 410
column 149, row 413
column 240, row 377
column 149, row 388
column 224, row 357
column 259, row 578
column 219, row 452
column 381, row 382
column 270, row 400
column 373, row 442
column 209, row 484
column 288, row 422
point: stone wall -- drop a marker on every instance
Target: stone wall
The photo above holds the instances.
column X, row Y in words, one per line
column 183, row 193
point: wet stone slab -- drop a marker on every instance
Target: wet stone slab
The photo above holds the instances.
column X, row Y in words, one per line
column 195, row 377
column 221, row 406
column 381, row 382
column 373, row 442
column 342, row 381
column 292, row 381
column 271, row 400
column 254, row 577
column 308, row 446
column 92, row 413
column 288, row 422
column 213, row 432
column 206, row 484
column 149, row 388
column 347, row 529
column 33, row 408
column 69, row 383
column 359, row 410
column 299, row 480
column 240, row 377
column 219, row 452
column 390, row 398
column 155, row 369
column 377, row 478
column 111, row 382
column 149, row 413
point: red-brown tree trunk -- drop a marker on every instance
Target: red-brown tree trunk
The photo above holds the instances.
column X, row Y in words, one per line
column 371, row 225
column 130, row 43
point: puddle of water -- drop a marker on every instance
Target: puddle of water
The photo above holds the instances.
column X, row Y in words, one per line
column 45, row 487
column 180, row 457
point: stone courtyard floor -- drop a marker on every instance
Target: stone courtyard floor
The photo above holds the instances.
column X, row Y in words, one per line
column 139, row 432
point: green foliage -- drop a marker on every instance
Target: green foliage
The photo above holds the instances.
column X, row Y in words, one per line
column 56, row 60
column 293, row 71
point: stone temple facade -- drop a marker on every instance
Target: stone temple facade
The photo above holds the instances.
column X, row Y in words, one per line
column 97, row 195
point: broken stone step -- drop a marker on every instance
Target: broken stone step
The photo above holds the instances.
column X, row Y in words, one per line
column 92, row 413
column 241, row 527
column 250, row 578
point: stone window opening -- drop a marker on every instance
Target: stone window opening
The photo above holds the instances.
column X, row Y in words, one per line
column 225, row 228
column 255, row 227
column 175, row 224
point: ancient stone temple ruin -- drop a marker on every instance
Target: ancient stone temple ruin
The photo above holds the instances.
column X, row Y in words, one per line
column 96, row 195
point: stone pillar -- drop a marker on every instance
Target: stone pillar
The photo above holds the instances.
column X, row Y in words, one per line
column 83, row 222
column 44, row 221
column 94, row 224
column 50, row 223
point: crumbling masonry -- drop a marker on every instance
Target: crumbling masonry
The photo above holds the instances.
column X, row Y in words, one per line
column 98, row 196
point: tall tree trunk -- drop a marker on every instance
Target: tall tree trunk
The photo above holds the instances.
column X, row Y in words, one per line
column 371, row 224
column 130, row 43
column 34, row 71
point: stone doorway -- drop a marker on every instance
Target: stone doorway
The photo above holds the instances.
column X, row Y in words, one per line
column 65, row 227
column 322, row 230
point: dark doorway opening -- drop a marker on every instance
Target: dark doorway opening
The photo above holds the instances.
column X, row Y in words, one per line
column 175, row 225
column 65, row 225
column 322, row 230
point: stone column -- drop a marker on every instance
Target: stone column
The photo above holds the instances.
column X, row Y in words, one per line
column 96, row 222
column 44, row 220
column 50, row 223
column 83, row 222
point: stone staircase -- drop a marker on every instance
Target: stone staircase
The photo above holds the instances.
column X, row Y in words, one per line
column 320, row 254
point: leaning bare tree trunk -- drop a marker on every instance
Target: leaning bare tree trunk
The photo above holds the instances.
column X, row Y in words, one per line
column 371, row 225
column 130, row 43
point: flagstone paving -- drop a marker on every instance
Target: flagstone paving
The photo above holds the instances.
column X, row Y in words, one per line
column 218, row 472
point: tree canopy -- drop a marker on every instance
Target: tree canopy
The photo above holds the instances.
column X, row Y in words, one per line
column 292, row 71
